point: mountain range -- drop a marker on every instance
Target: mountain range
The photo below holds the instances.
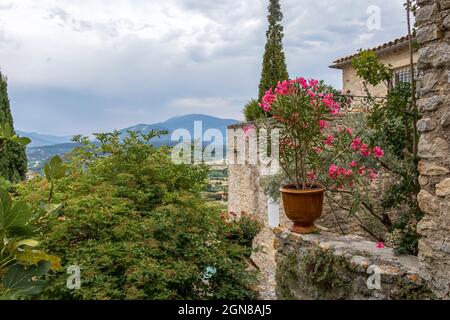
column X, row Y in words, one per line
column 40, row 140
column 44, row 146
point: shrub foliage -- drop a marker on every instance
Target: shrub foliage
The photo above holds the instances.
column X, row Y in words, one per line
column 136, row 225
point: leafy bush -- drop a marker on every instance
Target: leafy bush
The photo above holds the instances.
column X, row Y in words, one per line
column 392, row 124
column 21, row 265
column 252, row 111
column 242, row 229
column 136, row 225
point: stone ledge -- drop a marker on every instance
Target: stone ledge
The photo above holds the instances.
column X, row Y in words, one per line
column 399, row 275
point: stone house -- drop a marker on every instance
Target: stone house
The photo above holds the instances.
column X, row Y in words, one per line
column 394, row 54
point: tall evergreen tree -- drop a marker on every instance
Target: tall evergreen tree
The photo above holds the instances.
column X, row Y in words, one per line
column 13, row 160
column 274, row 65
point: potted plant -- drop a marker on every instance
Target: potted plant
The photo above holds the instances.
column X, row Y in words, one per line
column 315, row 155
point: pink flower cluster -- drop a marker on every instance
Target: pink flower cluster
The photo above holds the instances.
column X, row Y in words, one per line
column 329, row 141
column 380, row 245
column 311, row 88
column 334, row 107
column 363, row 148
column 335, row 172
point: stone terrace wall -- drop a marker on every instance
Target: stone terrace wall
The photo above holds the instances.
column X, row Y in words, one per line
column 433, row 35
column 328, row 266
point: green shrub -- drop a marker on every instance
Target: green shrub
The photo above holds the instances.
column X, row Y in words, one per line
column 392, row 125
column 252, row 111
column 136, row 225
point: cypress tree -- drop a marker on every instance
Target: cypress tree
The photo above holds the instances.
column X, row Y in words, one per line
column 274, row 65
column 13, row 160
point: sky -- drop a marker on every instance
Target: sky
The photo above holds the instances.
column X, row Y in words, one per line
column 83, row 66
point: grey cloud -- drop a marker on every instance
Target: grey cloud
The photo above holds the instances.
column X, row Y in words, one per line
column 92, row 88
column 108, row 29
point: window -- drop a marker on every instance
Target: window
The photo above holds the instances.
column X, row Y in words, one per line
column 403, row 75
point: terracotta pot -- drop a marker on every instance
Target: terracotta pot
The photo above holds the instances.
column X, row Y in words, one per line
column 303, row 207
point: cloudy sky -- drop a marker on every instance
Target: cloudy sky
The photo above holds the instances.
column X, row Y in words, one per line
column 83, row 66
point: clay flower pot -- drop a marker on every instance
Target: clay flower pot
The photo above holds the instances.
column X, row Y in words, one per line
column 303, row 207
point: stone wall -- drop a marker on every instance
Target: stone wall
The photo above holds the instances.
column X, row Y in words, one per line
column 328, row 266
column 433, row 35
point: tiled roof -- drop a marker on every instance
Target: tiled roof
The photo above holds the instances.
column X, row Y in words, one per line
column 391, row 44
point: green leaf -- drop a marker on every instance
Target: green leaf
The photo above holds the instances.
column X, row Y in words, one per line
column 21, row 140
column 47, row 171
column 19, row 282
column 52, row 208
column 33, row 257
column 54, row 169
column 13, row 216
column 13, row 245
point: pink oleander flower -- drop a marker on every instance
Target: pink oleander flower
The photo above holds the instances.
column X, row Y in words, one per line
column 323, row 124
column 311, row 94
column 282, row 87
column 318, row 150
column 335, row 109
column 303, row 83
column 329, row 141
column 362, row 170
column 313, row 83
column 347, row 173
column 356, row 143
column 364, row 151
column 353, row 164
column 267, row 100
column 378, row 152
column 328, row 100
column 380, row 245
column 333, row 171
column 349, row 131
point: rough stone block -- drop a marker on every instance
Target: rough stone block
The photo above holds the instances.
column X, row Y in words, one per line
column 426, row 124
column 445, row 122
column 430, row 169
column 430, row 147
column 427, row 202
column 443, row 188
column 428, row 83
column 426, row 14
column 430, row 104
column 435, row 54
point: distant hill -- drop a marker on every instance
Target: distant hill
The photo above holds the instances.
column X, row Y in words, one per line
column 39, row 151
column 183, row 122
column 40, row 140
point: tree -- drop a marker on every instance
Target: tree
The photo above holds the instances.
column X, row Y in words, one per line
column 274, row 65
column 13, row 160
